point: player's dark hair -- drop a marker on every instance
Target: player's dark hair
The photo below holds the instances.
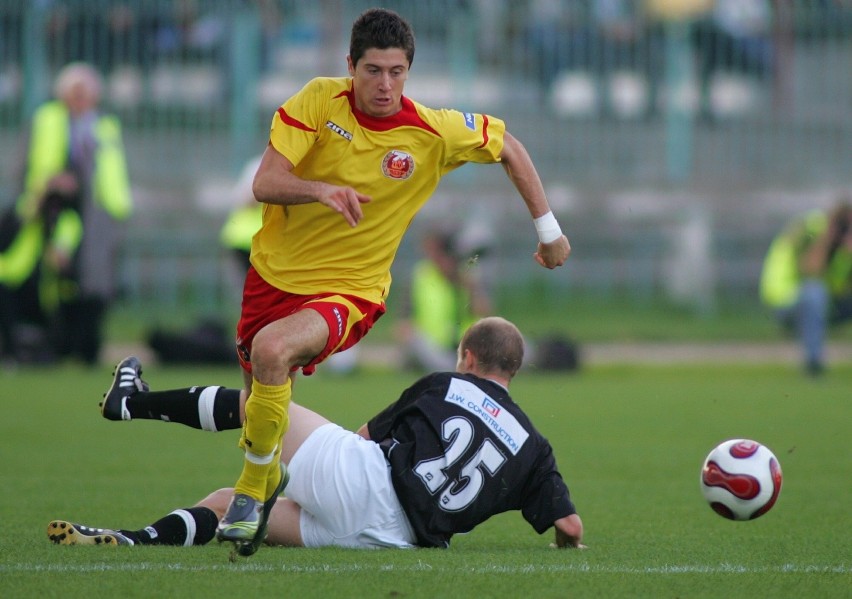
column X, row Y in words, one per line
column 497, row 344
column 382, row 29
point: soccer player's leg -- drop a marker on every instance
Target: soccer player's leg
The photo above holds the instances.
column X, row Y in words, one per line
column 303, row 339
column 181, row 527
column 277, row 349
column 261, row 479
column 209, row 408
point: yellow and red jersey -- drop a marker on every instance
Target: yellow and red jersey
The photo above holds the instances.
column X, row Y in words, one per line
column 398, row 161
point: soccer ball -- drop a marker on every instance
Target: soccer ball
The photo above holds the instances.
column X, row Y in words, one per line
column 741, row 479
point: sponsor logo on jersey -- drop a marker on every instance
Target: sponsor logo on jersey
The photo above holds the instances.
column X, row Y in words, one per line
column 398, row 164
column 485, row 408
column 339, row 130
column 491, row 406
column 470, row 120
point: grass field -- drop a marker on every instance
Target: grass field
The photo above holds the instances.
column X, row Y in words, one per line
column 630, row 441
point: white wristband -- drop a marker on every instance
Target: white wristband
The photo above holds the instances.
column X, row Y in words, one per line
column 547, row 228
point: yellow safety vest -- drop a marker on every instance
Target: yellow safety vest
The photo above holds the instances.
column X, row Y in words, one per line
column 440, row 310
column 48, row 156
column 19, row 260
column 23, row 255
column 780, row 278
column 241, row 226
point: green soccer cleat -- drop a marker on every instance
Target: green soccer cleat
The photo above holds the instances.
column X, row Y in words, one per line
column 247, row 519
column 68, row 533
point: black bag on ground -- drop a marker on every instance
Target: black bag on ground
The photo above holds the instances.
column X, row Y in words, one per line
column 557, row 353
column 206, row 343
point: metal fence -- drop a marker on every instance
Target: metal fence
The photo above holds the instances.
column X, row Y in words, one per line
column 712, row 101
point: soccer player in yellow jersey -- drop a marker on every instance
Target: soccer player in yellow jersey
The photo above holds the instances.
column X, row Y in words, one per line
column 350, row 162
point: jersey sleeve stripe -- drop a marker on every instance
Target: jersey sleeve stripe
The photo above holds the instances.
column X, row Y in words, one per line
column 288, row 120
column 484, row 131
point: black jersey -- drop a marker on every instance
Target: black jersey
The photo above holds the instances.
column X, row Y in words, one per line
column 460, row 451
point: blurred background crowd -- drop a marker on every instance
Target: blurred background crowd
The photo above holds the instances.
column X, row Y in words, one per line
column 675, row 137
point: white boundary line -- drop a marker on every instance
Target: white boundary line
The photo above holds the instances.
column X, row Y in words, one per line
column 422, row 567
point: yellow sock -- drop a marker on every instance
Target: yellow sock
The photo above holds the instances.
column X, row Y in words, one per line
column 266, row 422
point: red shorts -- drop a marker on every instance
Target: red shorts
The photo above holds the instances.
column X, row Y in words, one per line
column 348, row 317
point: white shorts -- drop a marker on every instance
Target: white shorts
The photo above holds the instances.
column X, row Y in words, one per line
column 342, row 483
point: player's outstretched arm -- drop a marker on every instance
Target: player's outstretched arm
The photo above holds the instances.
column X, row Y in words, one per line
column 553, row 248
column 274, row 183
column 569, row 532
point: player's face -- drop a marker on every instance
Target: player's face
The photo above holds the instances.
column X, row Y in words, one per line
column 378, row 79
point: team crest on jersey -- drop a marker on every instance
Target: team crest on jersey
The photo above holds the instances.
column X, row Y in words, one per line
column 398, row 164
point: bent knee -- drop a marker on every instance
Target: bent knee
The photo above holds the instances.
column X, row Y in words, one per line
column 272, row 354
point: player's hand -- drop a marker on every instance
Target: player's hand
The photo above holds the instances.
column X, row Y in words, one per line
column 553, row 254
column 346, row 202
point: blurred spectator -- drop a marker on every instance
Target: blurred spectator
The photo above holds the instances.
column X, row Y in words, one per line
column 445, row 297
column 24, row 323
column 625, row 40
column 138, row 34
column 555, row 36
column 75, row 156
column 125, row 38
column 244, row 219
column 190, row 33
column 734, row 37
column 601, row 38
column 807, row 278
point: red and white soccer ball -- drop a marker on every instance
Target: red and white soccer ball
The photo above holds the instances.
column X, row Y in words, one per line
column 741, row 479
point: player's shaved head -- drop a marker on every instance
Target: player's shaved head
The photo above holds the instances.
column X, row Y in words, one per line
column 382, row 29
column 497, row 344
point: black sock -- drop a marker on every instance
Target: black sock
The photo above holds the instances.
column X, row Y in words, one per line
column 206, row 408
column 199, row 523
